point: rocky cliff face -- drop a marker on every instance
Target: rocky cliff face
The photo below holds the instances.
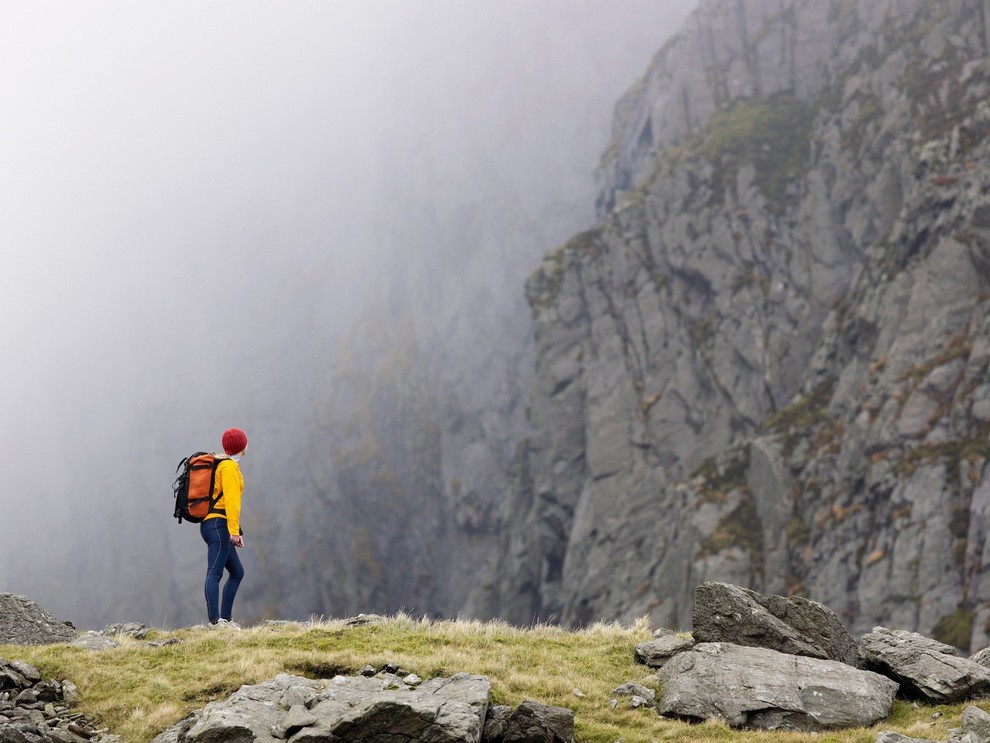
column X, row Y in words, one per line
column 768, row 363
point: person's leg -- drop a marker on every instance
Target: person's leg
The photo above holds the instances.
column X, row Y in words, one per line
column 235, row 572
column 214, row 533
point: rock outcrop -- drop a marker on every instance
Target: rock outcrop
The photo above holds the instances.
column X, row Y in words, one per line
column 762, row 688
column 925, row 668
column 23, row 622
column 767, row 365
column 756, row 684
column 370, row 708
column 727, row 613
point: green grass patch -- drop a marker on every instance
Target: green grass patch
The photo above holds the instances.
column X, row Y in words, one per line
column 802, row 413
column 739, row 528
column 955, row 629
column 772, row 134
column 137, row 690
column 722, row 474
column 544, row 284
column 973, row 449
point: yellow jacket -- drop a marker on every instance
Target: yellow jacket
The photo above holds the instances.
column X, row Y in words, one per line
column 229, row 486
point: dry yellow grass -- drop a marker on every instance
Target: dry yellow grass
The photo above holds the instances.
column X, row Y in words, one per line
column 137, row 690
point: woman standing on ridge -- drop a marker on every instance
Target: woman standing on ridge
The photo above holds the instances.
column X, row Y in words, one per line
column 221, row 530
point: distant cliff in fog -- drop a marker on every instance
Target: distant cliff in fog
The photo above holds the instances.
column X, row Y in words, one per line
column 768, row 363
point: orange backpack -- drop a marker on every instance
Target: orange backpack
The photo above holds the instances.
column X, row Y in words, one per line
column 193, row 488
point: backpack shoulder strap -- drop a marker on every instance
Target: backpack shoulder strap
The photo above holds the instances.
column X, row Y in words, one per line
column 218, row 459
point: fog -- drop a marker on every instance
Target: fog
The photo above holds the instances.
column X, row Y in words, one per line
column 200, row 200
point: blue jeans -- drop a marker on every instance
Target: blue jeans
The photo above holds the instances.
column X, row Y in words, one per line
column 221, row 554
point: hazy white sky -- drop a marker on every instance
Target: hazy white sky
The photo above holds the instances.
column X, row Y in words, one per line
column 193, row 192
column 165, row 165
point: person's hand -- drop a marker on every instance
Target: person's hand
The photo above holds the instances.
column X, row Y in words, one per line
column 237, row 541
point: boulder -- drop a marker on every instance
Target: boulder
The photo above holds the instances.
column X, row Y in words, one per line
column 93, row 640
column 925, row 668
column 111, row 635
column 496, row 723
column 353, row 708
column 23, row 622
column 761, row 688
column 532, row 722
column 126, row 629
column 975, row 725
column 798, row 626
column 659, row 650
column 982, row 657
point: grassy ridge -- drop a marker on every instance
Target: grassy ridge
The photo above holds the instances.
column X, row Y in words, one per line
column 137, row 691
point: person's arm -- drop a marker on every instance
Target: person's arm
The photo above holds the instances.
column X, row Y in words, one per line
column 232, row 483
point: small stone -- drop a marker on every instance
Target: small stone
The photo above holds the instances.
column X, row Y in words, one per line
column 613, row 703
column 578, row 693
column 368, row 671
column 50, row 691
column 128, row 629
column 163, row 643
column 77, row 729
column 70, row 694
column 294, row 696
column 361, row 619
column 27, row 671
column 297, row 718
column 636, row 690
column 61, row 736
column 95, row 641
column 412, row 680
column 11, row 679
column 26, row 697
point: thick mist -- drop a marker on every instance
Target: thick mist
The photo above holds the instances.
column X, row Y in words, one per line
column 202, row 200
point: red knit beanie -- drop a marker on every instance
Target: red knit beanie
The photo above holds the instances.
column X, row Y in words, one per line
column 234, row 441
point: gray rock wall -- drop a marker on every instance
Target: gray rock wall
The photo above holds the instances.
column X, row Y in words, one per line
column 766, row 366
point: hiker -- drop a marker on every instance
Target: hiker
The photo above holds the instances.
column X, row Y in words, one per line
column 221, row 530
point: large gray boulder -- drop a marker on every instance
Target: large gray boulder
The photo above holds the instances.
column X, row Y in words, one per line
column 761, row 688
column 728, row 613
column 352, row 708
column 23, row 622
column 925, row 668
